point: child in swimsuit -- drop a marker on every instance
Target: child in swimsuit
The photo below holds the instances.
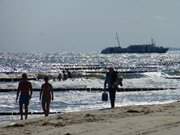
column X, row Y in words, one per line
column 46, row 95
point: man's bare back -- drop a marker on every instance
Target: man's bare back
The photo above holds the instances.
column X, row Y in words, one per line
column 25, row 92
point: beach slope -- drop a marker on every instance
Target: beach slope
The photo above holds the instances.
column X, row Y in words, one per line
column 132, row 120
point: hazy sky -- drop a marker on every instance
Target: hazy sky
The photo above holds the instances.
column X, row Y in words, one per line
column 86, row 25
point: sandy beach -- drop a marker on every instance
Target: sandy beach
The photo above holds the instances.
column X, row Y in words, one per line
column 132, row 120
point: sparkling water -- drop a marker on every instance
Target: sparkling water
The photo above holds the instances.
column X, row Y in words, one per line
column 165, row 76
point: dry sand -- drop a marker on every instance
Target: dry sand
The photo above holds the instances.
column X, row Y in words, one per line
column 134, row 120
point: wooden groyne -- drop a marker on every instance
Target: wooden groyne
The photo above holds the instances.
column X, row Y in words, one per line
column 14, row 79
column 30, row 113
column 74, row 74
column 97, row 89
column 96, row 67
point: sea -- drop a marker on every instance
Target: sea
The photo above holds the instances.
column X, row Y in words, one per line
column 138, row 71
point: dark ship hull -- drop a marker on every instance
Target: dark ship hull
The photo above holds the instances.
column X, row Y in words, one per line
column 147, row 48
column 137, row 48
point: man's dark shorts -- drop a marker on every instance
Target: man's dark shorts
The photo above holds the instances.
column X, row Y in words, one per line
column 24, row 99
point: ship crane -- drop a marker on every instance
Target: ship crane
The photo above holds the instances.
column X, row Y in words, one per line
column 117, row 38
column 153, row 42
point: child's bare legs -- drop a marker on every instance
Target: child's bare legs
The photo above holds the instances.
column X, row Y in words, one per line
column 47, row 108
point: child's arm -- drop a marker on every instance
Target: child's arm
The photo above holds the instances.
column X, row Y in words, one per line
column 40, row 92
column 52, row 93
column 18, row 91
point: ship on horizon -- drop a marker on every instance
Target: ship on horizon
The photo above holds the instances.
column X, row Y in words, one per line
column 135, row 48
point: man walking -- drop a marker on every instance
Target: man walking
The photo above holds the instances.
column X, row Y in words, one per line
column 25, row 91
column 111, row 77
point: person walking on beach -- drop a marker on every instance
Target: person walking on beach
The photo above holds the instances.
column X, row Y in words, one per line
column 25, row 91
column 46, row 95
column 110, row 80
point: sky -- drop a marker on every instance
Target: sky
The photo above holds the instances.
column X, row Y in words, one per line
column 86, row 25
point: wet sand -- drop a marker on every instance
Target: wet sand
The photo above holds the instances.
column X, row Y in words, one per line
column 132, row 120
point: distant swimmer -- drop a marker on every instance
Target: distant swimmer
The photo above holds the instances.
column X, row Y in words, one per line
column 25, row 91
column 46, row 95
column 59, row 77
column 65, row 77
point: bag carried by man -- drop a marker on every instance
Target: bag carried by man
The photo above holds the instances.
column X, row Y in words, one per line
column 104, row 96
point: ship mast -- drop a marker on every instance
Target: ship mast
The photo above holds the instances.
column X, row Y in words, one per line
column 152, row 41
column 117, row 38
